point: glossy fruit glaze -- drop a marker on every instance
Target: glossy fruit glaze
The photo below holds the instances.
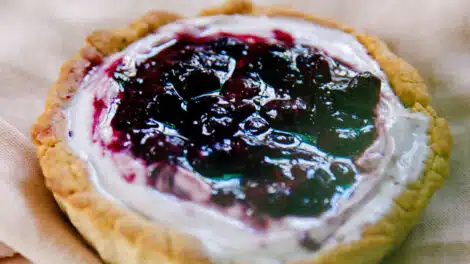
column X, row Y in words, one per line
column 270, row 124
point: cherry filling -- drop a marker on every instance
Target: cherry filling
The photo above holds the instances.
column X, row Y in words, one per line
column 270, row 124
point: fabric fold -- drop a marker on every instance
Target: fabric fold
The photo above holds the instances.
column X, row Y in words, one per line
column 30, row 222
column 6, row 251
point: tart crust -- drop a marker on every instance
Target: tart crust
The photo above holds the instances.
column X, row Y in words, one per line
column 122, row 236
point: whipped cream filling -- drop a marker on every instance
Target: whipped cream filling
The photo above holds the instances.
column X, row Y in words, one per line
column 394, row 160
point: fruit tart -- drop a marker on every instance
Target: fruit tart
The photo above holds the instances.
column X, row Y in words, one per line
column 248, row 134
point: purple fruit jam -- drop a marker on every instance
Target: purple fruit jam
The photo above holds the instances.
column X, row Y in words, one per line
column 258, row 115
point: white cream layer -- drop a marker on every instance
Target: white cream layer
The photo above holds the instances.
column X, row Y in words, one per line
column 395, row 159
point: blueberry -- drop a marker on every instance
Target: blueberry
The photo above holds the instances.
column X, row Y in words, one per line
column 282, row 139
column 299, row 173
column 283, row 113
column 362, row 94
column 231, row 46
column 325, row 107
column 214, row 61
column 343, row 172
column 312, row 196
column 128, row 117
column 223, row 198
column 218, row 127
column 256, row 126
column 162, row 177
column 276, row 60
column 278, row 70
column 211, row 162
column 244, row 110
column 224, row 157
column 271, row 199
column 151, row 146
column 159, row 108
column 345, row 142
column 315, row 71
column 211, row 117
column 199, row 82
column 241, row 87
column 250, row 66
column 367, row 83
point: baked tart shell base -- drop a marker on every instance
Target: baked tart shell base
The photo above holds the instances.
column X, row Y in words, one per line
column 122, row 236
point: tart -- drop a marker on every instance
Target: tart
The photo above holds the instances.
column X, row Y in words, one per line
column 246, row 135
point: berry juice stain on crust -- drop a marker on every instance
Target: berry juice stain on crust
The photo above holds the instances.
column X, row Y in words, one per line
column 99, row 106
column 276, row 124
column 112, row 68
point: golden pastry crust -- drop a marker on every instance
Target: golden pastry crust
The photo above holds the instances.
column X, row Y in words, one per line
column 122, row 236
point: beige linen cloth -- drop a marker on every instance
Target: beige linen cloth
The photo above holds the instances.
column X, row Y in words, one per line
column 38, row 36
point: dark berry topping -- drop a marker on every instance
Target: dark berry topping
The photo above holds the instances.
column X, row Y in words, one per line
column 200, row 82
column 343, row 173
column 273, row 127
column 308, row 243
column 223, row 197
column 284, row 37
column 242, row 87
column 256, row 126
column 283, row 113
column 315, row 68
